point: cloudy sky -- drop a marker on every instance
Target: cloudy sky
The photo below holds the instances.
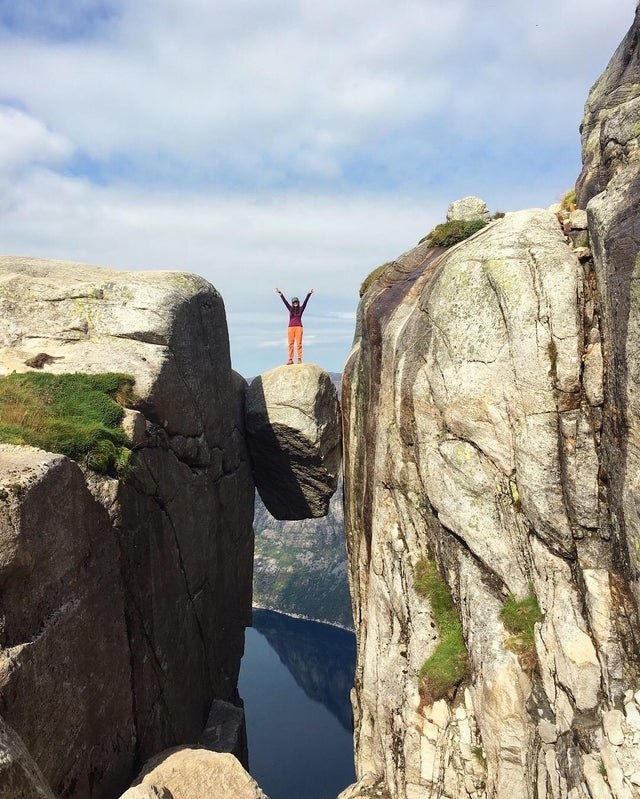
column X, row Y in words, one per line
column 290, row 143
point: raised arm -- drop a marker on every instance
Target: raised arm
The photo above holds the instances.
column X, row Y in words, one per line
column 306, row 300
column 282, row 297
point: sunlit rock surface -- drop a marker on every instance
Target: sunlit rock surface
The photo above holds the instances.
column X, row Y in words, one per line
column 294, row 436
column 491, row 424
column 189, row 773
column 123, row 603
column 476, row 405
column 468, row 209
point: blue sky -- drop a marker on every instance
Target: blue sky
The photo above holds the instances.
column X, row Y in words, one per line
column 290, row 143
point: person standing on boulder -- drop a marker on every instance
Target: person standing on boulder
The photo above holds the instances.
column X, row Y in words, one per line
column 294, row 331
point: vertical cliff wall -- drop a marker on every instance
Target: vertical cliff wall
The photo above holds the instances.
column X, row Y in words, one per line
column 123, row 603
column 490, row 418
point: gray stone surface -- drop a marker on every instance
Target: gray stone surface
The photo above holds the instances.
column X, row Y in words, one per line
column 294, row 436
column 468, row 209
column 609, row 128
column 472, row 439
column 609, row 186
column 142, row 601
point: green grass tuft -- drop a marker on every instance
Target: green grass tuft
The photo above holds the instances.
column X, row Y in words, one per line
column 568, row 202
column 519, row 616
column 77, row 415
column 448, row 664
column 371, row 278
column 453, row 232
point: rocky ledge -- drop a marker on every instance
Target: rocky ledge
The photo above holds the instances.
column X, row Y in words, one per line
column 123, row 602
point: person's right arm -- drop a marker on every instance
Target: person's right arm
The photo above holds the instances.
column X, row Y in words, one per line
column 282, row 297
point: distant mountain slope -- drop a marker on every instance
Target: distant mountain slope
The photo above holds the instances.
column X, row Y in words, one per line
column 300, row 568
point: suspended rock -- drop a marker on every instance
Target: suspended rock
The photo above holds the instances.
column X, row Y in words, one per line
column 294, row 437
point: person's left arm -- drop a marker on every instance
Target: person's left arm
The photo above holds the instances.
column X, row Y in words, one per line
column 306, row 300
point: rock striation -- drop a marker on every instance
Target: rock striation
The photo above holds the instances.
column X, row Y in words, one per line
column 294, row 437
column 490, row 428
column 20, row 777
column 139, row 590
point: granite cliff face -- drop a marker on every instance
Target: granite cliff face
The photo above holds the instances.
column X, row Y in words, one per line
column 490, row 424
column 139, row 590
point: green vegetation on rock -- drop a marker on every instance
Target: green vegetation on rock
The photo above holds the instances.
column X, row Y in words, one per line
column 519, row 616
column 453, row 232
column 371, row 278
column 77, row 415
column 448, row 664
column 568, row 202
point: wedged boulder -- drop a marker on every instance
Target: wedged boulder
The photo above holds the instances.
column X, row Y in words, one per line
column 20, row 777
column 189, row 773
column 294, row 437
column 142, row 596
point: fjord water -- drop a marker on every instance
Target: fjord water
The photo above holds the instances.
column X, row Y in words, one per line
column 295, row 681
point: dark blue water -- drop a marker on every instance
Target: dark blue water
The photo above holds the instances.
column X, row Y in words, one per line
column 295, row 681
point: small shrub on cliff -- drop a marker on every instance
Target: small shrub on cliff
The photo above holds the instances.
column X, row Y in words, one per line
column 454, row 231
column 371, row 278
column 447, row 666
column 77, row 415
column 519, row 616
column 568, row 202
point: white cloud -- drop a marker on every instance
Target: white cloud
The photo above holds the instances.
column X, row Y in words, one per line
column 293, row 87
column 244, row 246
column 283, row 142
column 25, row 141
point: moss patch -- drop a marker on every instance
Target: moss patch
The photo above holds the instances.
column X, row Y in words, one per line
column 519, row 616
column 448, row 664
column 453, row 232
column 77, row 415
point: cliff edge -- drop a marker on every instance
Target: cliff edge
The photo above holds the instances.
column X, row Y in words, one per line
column 123, row 602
